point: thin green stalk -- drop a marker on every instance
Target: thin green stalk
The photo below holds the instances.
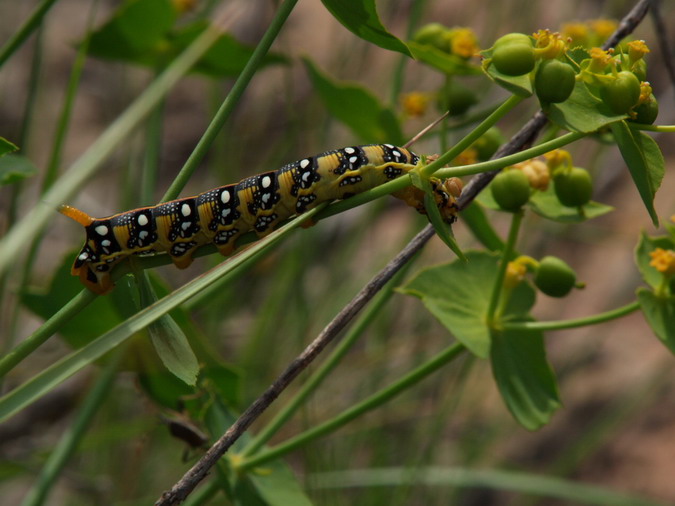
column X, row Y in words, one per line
column 472, row 136
column 651, row 128
column 20, row 36
column 48, row 328
column 326, row 368
column 416, row 11
column 69, row 183
column 498, row 286
column 70, row 440
column 231, row 100
column 368, row 404
column 576, row 322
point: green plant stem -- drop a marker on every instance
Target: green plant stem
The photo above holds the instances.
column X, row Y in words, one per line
column 333, row 360
column 368, row 404
column 498, row 287
column 48, row 328
column 472, row 136
column 68, row 443
column 70, row 182
column 416, row 11
column 20, row 36
column 651, row 128
column 576, row 322
column 231, row 100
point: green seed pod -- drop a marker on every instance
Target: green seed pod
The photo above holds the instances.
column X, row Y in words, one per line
column 432, row 34
column 554, row 81
column 511, row 189
column 622, row 93
column 554, row 277
column 647, row 112
column 573, row 187
column 513, row 59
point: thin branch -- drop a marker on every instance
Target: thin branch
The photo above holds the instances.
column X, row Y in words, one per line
column 523, row 138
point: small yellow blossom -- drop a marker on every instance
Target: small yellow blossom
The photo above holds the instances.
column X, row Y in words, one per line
column 550, row 44
column 184, row 5
column 537, row 173
column 645, row 93
column 600, row 59
column 663, row 261
column 463, row 42
column 578, row 32
column 558, row 158
column 636, row 50
column 415, row 103
column 515, row 273
column 603, row 28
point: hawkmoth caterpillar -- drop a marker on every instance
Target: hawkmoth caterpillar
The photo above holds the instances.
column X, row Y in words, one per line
column 257, row 203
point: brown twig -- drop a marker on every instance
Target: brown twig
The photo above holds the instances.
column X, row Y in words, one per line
column 523, row 138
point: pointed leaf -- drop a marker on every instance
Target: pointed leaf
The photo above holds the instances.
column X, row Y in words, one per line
column 446, row 63
column 546, row 204
column 7, row 146
column 524, row 377
column 644, row 247
column 660, row 315
column 582, row 111
column 360, row 17
column 356, row 107
column 645, row 163
column 277, row 485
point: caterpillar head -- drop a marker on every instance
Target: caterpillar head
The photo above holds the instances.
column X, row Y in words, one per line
column 93, row 271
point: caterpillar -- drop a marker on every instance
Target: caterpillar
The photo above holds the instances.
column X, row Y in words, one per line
column 258, row 203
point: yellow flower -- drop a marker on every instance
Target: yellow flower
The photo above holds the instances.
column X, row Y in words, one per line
column 550, row 44
column 663, row 261
column 415, row 103
column 558, row 158
column 537, row 173
column 636, row 50
column 600, row 59
column 645, row 93
column 515, row 273
column 466, row 157
column 463, row 42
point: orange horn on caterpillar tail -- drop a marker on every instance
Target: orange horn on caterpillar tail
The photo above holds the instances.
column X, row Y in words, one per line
column 79, row 216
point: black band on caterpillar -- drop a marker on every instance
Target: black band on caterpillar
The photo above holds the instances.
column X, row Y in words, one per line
column 257, row 203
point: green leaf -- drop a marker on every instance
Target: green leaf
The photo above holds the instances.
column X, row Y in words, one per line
column 226, row 58
column 524, row 377
column 446, row 63
column 660, row 315
column 443, row 230
column 357, row 108
column 134, row 32
column 645, row 163
column 169, row 340
column 546, row 204
column 164, row 387
column 277, row 485
column 7, row 146
column 582, row 111
column 645, row 246
column 360, row 17
column 458, row 295
column 14, row 168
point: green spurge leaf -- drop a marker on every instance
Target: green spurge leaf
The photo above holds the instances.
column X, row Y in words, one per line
column 360, row 17
column 277, row 485
column 546, row 204
column 645, row 163
column 446, row 63
column 15, row 168
column 458, row 295
column 524, row 377
column 134, row 32
column 582, row 111
column 7, row 147
column 357, row 108
column 659, row 312
column 518, row 85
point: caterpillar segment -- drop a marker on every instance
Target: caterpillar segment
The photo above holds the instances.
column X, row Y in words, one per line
column 257, row 203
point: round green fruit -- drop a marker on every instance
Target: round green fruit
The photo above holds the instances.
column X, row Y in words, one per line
column 554, row 81
column 647, row 112
column 622, row 93
column 514, row 58
column 554, row 277
column 511, row 189
column 573, row 187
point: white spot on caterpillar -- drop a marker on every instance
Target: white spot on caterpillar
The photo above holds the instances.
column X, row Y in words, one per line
column 353, row 159
column 101, row 230
column 225, row 212
column 105, row 243
column 396, row 154
column 266, row 182
column 142, row 235
column 185, row 210
column 185, row 225
column 142, row 220
column 265, row 198
column 83, row 256
column 225, row 197
column 350, row 151
column 390, row 146
column 305, row 176
column 304, row 163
